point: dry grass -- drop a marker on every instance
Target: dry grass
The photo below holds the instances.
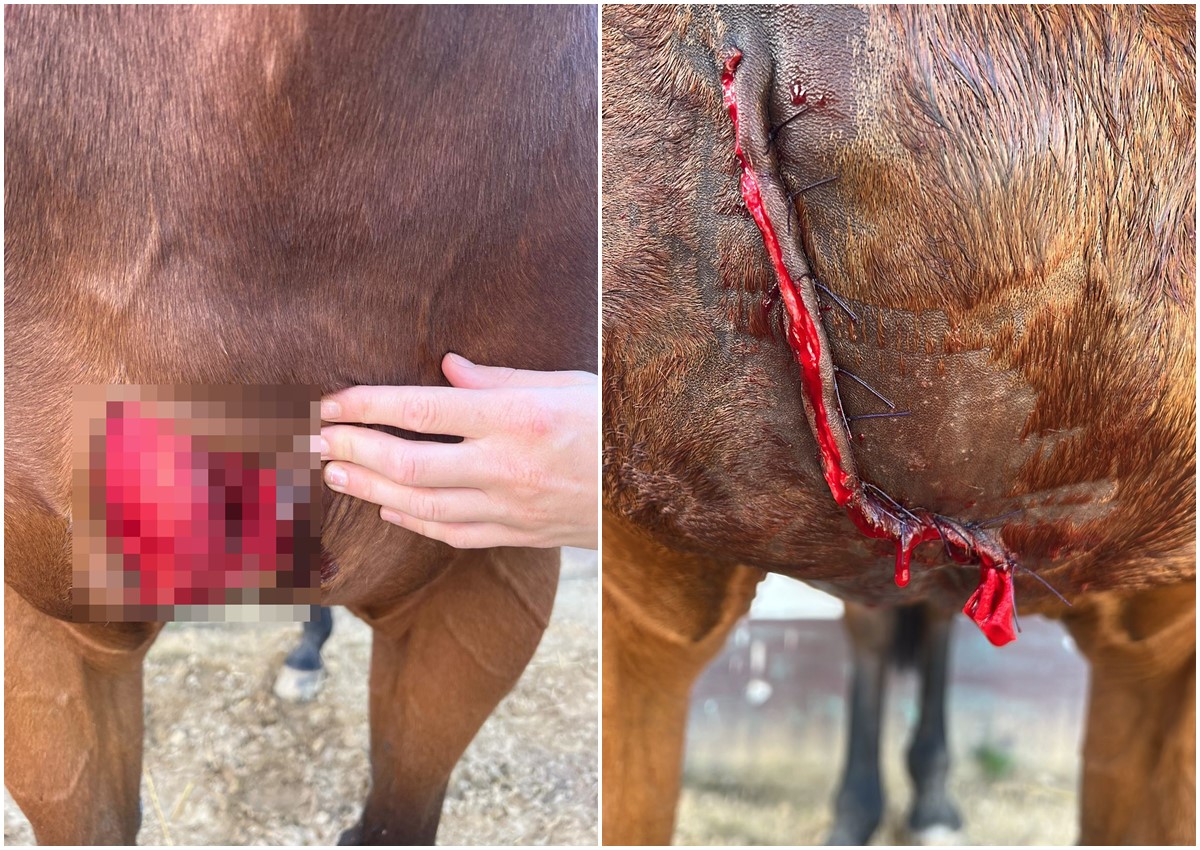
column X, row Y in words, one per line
column 794, row 805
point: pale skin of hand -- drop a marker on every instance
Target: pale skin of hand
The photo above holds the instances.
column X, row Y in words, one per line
column 525, row 474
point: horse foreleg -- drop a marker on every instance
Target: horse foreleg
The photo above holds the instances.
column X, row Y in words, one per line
column 859, row 803
column 73, row 724
column 934, row 818
column 665, row 616
column 442, row 659
column 1139, row 753
column 300, row 678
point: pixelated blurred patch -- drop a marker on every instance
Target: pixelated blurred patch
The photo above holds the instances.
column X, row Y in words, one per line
column 196, row 503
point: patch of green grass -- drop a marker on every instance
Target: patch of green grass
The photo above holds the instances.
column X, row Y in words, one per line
column 996, row 762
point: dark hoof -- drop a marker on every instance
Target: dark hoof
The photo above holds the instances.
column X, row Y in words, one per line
column 852, row 832
column 351, row 836
column 843, row 836
column 858, row 812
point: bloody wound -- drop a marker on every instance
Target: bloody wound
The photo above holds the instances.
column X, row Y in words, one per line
column 991, row 606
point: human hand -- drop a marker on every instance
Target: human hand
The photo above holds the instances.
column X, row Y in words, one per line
column 525, row 474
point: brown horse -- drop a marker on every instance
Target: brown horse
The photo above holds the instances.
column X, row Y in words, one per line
column 266, row 195
column 903, row 283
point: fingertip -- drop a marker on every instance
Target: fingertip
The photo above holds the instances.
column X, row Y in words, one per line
column 335, row 476
column 466, row 374
column 331, row 409
column 456, row 361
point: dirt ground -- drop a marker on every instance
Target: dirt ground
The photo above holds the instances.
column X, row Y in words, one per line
column 229, row 763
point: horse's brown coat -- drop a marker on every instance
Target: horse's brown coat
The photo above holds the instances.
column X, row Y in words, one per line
column 269, row 195
column 1012, row 223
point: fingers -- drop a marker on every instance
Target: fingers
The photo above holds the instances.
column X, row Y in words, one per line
column 434, row 505
column 468, row 409
column 464, row 374
column 504, row 485
column 426, row 410
column 407, row 462
column 463, row 517
column 461, row 535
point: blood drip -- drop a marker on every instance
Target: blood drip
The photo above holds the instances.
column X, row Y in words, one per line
column 991, row 605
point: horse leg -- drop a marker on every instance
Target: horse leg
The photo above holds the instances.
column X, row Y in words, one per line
column 1139, row 753
column 73, row 724
column 934, row 818
column 442, row 659
column 859, row 803
column 665, row 616
column 302, row 673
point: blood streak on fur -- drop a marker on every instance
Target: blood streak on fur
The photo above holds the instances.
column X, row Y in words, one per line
column 991, row 605
column 802, row 335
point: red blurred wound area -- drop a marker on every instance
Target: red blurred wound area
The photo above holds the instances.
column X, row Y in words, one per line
column 191, row 523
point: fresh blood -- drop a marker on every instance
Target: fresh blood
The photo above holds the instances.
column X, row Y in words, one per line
column 991, row 605
column 193, row 524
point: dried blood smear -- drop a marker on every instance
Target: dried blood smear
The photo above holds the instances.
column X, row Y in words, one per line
column 991, row 606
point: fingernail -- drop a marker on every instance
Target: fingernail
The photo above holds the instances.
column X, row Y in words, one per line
column 335, row 475
column 389, row 515
column 324, row 448
column 330, row 410
column 460, row 360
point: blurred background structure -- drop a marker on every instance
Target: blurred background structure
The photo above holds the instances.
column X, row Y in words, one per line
column 767, row 730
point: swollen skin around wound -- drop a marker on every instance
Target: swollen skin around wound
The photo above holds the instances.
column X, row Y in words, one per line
column 991, row 606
